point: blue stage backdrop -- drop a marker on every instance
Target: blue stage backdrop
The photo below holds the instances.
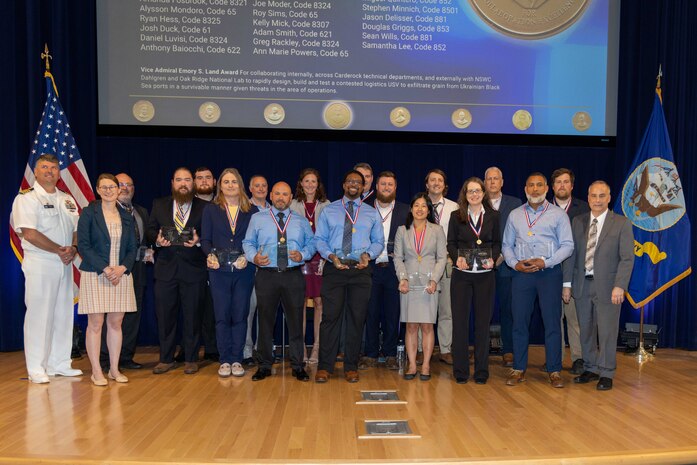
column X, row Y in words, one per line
column 652, row 32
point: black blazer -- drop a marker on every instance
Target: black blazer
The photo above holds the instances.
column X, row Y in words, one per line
column 94, row 242
column 216, row 232
column 461, row 236
column 139, row 273
column 187, row 264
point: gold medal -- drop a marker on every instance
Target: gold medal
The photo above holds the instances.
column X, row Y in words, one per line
column 530, row 233
column 311, row 223
column 353, row 230
column 479, row 242
column 282, row 240
column 419, row 258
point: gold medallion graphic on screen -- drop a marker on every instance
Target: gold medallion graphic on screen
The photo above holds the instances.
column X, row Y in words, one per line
column 274, row 113
column 461, row 118
column 581, row 120
column 522, row 119
column 209, row 112
column 529, row 19
column 337, row 115
column 143, row 110
column 400, row 117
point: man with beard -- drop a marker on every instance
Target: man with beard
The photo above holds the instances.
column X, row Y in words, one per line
column 366, row 170
column 279, row 277
column 352, row 229
column 437, row 188
column 537, row 239
column 504, row 204
column 131, row 320
column 383, row 308
column 563, row 185
column 180, row 271
column 204, row 183
column 204, row 189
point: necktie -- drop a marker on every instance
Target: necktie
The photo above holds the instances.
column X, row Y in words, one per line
column 590, row 248
column 129, row 209
column 346, row 241
column 282, row 253
column 179, row 219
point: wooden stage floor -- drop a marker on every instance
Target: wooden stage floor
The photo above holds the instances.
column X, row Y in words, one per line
column 650, row 417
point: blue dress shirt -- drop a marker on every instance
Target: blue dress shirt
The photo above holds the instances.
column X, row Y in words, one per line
column 329, row 232
column 551, row 237
column 262, row 232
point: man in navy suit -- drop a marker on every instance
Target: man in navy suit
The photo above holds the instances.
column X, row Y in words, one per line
column 504, row 204
column 383, row 308
column 563, row 186
column 180, row 271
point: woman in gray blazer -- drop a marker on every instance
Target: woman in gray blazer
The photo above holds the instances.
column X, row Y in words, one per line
column 309, row 202
column 420, row 256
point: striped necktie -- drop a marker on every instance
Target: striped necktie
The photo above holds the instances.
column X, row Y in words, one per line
column 179, row 218
column 347, row 239
column 590, row 248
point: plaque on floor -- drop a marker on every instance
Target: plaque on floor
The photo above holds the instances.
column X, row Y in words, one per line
column 386, row 396
column 381, row 429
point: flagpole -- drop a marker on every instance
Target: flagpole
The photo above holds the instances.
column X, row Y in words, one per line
column 641, row 354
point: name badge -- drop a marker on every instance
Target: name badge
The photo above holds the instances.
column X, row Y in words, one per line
column 48, row 205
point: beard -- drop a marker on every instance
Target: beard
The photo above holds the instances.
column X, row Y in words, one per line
column 205, row 190
column 563, row 196
column 386, row 198
column 538, row 199
column 181, row 197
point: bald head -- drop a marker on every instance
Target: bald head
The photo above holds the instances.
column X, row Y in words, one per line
column 281, row 195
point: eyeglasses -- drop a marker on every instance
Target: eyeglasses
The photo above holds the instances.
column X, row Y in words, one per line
column 126, row 184
column 474, row 191
column 355, row 182
column 107, row 188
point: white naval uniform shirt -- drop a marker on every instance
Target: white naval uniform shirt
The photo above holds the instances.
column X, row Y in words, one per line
column 53, row 215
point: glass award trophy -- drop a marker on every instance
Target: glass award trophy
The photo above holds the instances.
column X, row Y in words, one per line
column 418, row 281
column 226, row 257
column 171, row 234
column 527, row 251
column 351, row 259
column 477, row 259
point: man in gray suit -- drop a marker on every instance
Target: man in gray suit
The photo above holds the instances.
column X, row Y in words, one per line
column 504, row 204
column 597, row 274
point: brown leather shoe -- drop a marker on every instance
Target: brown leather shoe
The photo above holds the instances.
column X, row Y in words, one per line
column 322, row 376
column 351, row 376
column 190, row 368
column 447, row 358
column 419, row 358
column 163, row 368
column 367, row 362
column 391, row 363
column 556, row 380
column 515, row 377
column 508, row 360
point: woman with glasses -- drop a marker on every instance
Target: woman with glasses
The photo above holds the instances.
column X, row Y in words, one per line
column 309, row 202
column 419, row 259
column 223, row 227
column 107, row 243
column 474, row 240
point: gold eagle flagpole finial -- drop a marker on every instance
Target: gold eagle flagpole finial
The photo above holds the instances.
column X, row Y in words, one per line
column 658, row 84
column 45, row 55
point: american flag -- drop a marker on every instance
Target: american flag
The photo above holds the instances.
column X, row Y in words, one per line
column 53, row 136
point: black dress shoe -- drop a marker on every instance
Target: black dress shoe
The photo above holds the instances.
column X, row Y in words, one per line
column 301, row 375
column 604, row 384
column 586, row 377
column 481, row 376
column 409, row 376
column 460, row 380
column 130, row 365
column 577, row 367
column 249, row 362
column 261, row 374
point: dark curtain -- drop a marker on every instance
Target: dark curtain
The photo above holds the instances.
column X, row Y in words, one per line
column 652, row 33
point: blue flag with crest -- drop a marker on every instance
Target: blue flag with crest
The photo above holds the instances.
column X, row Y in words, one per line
column 652, row 199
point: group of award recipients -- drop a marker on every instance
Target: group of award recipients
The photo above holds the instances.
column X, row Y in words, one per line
column 488, row 247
